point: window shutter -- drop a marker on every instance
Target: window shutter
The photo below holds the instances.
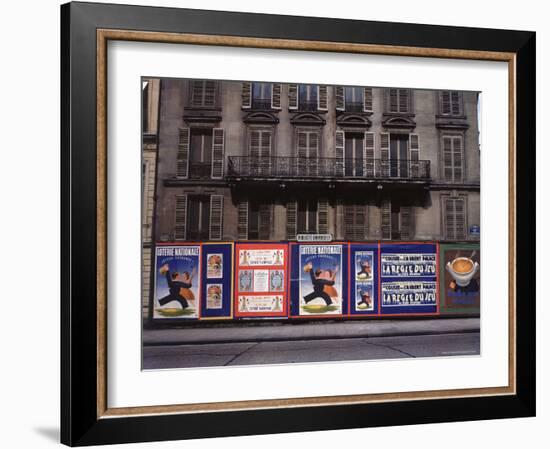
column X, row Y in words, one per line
column 293, row 96
column 368, row 154
column 247, row 95
column 216, row 214
column 276, row 95
column 182, row 164
column 404, row 99
column 322, row 216
column 385, row 154
column 457, row 159
column 301, row 147
column 340, row 98
column 447, row 158
column 218, row 143
column 393, row 101
column 385, row 220
column 265, row 221
column 367, row 99
column 254, row 144
column 242, row 220
column 210, row 93
column 339, row 150
column 445, row 102
column 407, row 222
column 291, row 219
column 355, row 221
column 455, row 103
column 180, row 227
column 414, row 151
column 322, row 102
column 455, row 219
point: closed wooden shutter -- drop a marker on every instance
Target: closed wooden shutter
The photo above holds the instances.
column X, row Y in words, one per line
column 414, row 151
column 393, row 100
column 247, row 95
column 182, row 164
column 453, row 158
column 339, row 153
column 180, row 226
column 456, row 103
column 340, row 98
column 385, row 220
column 384, row 154
column 398, row 100
column 407, row 222
column 367, row 99
column 293, row 96
column 242, row 220
column 445, row 102
column 322, row 216
column 404, row 100
column 276, row 89
column 216, row 217
column 210, row 88
column 368, row 154
column 291, row 220
column 265, row 221
column 322, row 102
column 355, row 222
column 218, row 143
column 455, row 218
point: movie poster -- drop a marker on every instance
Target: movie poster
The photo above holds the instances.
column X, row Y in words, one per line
column 408, row 278
column 460, row 278
column 260, row 279
column 216, row 282
column 177, row 281
column 320, row 280
column 364, row 279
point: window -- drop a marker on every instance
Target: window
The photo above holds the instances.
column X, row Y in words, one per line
column 454, row 211
column 254, row 220
column 354, row 154
column 453, row 158
column 397, row 221
column 354, row 99
column 450, row 103
column 262, row 96
column 307, row 152
column 259, row 150
column 198, row 217
column 201, row 153
column 398, row 100
column 203, row 93
column 307, row 216
column 307, row 95
column 355, row 222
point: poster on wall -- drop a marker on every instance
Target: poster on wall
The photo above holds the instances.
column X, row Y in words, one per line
column 363, row 279
column 318, row 274
column 177, row 281
column 460, row 278
column 216, row 280
column 260, row 279
column 408, row 274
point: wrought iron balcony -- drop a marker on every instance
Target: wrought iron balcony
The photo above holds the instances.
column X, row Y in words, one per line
column 200, row 170
column 329, row 168
column 307, row 105
column 354, row 106
column 261, row 103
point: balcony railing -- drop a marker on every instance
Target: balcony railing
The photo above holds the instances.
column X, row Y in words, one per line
column 261, row 103
column 307, row 105
column 354, row 106
column 200, row 170
column 339, row 168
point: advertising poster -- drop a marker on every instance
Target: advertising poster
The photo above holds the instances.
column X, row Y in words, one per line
column 460, row 266
column 318, row 274
column 177, row 281
column 408, row 274
column 261, row 271
column 363, row 279
column 216, row 280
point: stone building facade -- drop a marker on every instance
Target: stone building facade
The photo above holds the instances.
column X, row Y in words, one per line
column 267, row 161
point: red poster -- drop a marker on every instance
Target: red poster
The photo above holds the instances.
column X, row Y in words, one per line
column 261, row 279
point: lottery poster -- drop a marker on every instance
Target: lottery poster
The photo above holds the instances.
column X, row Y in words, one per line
column 460, row 271
column 319, row 280
column 261, row 271
column 177, row 282
column 216, row 280
column 363, row 279
column 408, row 274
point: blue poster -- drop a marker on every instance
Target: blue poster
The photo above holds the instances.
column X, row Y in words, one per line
column 319, row 280
column 216, row 280
column 408, row 278
column 364, row 279
column 177, row 281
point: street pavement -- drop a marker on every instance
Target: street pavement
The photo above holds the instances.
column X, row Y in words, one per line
column 277, row 343
column 316, row 350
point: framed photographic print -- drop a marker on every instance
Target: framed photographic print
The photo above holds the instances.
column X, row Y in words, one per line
column 276, row 224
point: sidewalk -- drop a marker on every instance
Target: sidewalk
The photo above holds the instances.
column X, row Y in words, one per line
column 309, row 331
